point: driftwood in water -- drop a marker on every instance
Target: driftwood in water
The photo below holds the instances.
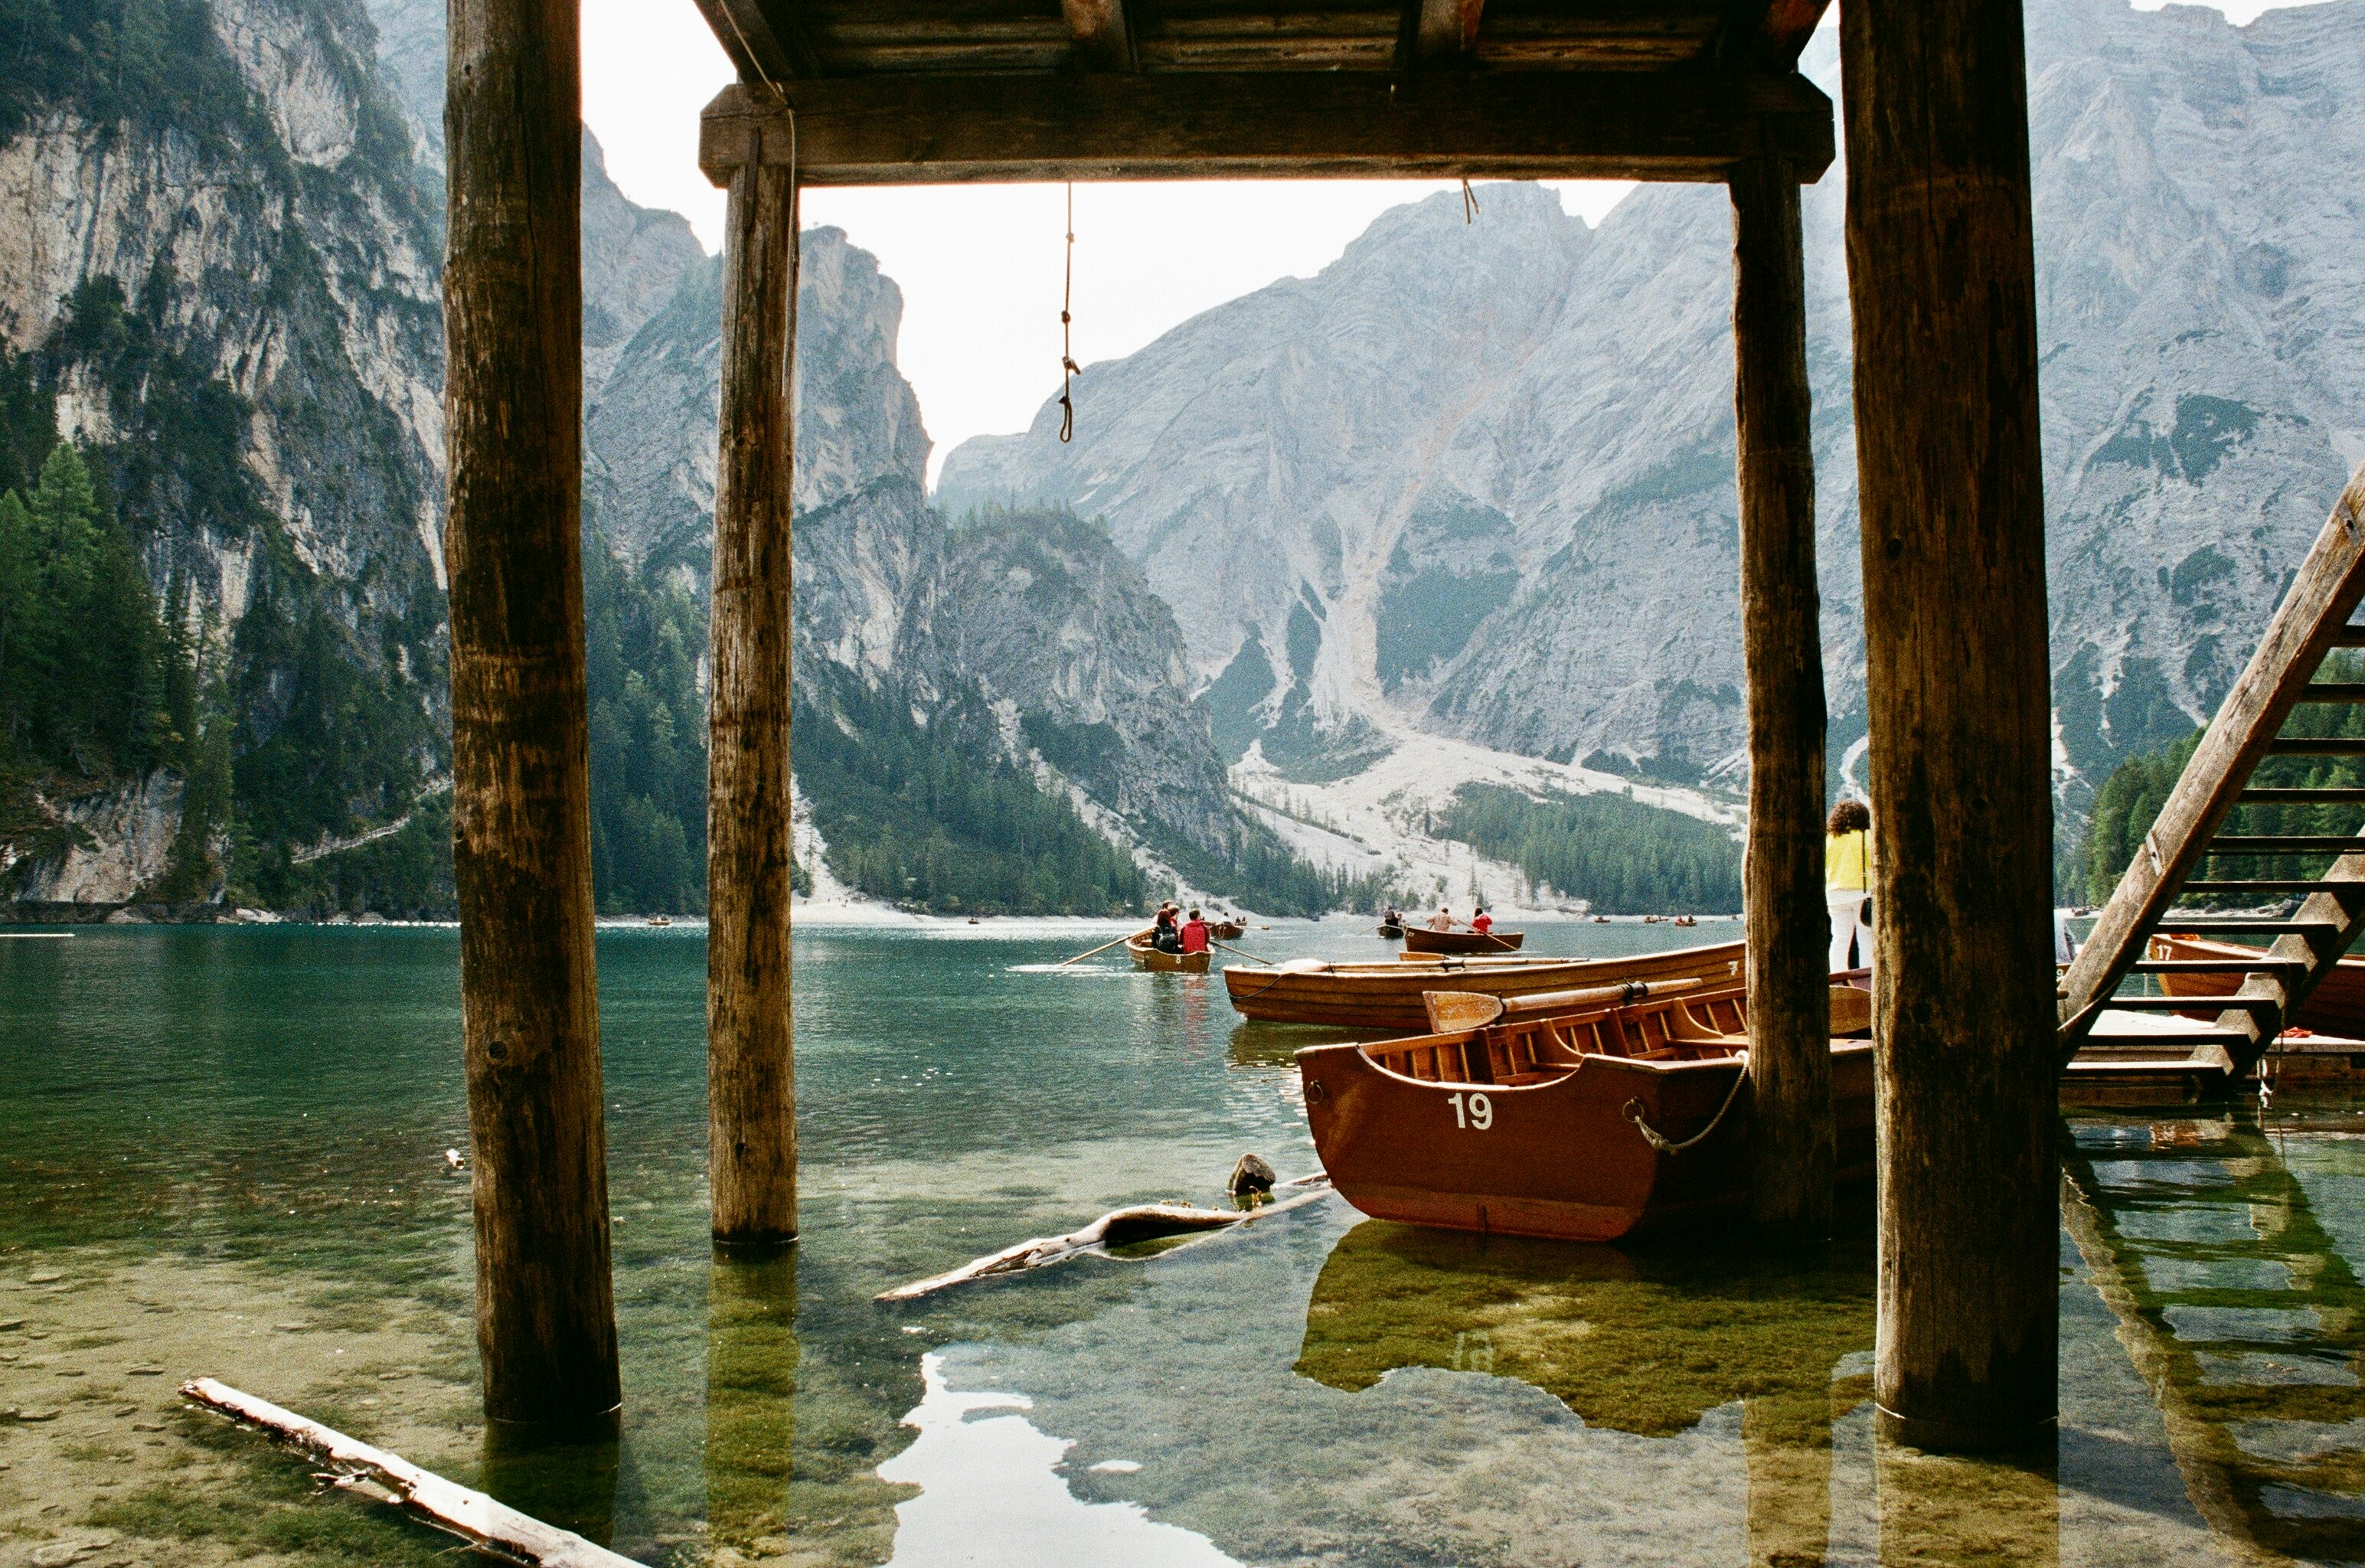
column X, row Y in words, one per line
column 1118, row 1228
column 495, row 1527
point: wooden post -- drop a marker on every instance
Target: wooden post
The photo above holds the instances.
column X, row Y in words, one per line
column 751, row 1396
column 1789, row 1000
column 522, row 816
column 750, row 1067
column 1942, row 276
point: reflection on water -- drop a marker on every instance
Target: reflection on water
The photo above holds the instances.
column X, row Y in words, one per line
column 222, row 1152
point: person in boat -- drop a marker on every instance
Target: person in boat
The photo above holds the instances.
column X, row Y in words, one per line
column 1392, row 917
column 1442, row 919
column 1195, row 934
column 1164, row 935
column 1480, row 922
column 1847, row 881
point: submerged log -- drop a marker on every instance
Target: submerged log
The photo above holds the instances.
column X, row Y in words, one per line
column 1118, row 1228
column 480, row 1520
column 1941, row 280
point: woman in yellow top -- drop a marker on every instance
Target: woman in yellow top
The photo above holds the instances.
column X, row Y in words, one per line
column 1848, row 880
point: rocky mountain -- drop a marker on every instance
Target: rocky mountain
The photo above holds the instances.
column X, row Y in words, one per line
column 1476, row 480
column 222, row 304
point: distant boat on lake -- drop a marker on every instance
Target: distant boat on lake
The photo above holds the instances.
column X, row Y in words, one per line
column 1146, row 955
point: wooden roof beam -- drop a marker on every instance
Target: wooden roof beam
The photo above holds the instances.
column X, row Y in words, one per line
column 766, row 44
column 889, row 130
column 1102, row 34
column 1763, row 35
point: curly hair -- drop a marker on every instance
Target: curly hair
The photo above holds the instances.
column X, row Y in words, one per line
column 1849, row 816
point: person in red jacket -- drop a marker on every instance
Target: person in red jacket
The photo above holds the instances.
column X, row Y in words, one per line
column 1482, row 923
column 1195, row 934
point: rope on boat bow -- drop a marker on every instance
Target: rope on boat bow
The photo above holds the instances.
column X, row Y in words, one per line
column 1659, row 1140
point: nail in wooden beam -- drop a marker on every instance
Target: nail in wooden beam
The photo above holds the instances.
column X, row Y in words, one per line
column 522, row 823
column 751, row 1073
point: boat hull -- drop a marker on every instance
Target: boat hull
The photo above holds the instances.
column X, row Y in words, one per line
column 2336, row 1005
column 1420, row 939
column 1561, row 1160
column 1386, row 997
column 1146, row 957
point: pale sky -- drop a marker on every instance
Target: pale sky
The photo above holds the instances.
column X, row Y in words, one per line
column 979, row 265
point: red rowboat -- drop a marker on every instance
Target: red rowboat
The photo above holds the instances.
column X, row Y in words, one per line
column 1560, row 1124
column 2336, row 1005
column 1381, row 997
column 1421, row 939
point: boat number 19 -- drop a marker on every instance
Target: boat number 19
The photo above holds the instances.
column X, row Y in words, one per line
column 1473, row 1111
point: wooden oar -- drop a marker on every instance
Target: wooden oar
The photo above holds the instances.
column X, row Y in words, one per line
column 1228, row 947
column 1102, row 948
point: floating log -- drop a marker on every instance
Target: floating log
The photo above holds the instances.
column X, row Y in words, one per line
column 1118, row 1228
column 480, row 1520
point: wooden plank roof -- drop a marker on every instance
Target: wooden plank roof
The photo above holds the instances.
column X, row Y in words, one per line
column 912, row 91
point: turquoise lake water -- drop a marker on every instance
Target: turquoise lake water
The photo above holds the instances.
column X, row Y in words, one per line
column 222, row 1152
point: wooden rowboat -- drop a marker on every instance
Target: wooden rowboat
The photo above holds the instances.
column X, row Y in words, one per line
column 1421, row 939
column 1146, row 955
column 1228, row 930
column 1384, row 997
column 2336, row 1005
column 1558, row 1125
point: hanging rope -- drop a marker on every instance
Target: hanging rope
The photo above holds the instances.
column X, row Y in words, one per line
column 1660, row 1141
column 1469, row 203
column 1067, row 368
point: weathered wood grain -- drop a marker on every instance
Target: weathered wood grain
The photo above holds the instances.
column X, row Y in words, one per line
column 1942, row 277
column 750, row 1057
column 521, row 819
column 1792, row 1150
column 953, row 127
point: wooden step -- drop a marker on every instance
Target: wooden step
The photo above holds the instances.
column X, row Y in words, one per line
column 2266, row 885
column 2332, row 797
column 2286, row 844
column 2201, row 926
column 2326, row 745
column 2332, row 691
column 2349, row 637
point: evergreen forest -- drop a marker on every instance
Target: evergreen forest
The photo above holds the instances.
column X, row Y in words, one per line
column 2130, row 799
column 1619, row 856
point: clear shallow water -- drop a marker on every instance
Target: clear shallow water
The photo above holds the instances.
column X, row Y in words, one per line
column 226, row 1146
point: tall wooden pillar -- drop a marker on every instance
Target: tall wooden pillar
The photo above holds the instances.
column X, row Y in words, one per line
column 750, row 1067
column 521, row 818
column 1942, row 276
column 1789, row 1000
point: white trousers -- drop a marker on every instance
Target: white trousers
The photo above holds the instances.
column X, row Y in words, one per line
column 1848, row 922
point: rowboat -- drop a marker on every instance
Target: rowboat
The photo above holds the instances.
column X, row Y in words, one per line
column 1146, row 955
column 1390, row 933
column 2336, row 1005
column 1590, row 1124
column 1228, row 930
column 1421, row 939
column 1384, row 997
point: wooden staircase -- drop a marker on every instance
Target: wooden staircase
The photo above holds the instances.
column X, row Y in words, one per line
column 2310, row 624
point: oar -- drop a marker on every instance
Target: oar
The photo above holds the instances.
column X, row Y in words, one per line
column 1228, row 947
column 1102, row 948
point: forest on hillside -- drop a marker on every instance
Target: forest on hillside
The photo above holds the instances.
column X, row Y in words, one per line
column 1618, row 854
column 2131, row 799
